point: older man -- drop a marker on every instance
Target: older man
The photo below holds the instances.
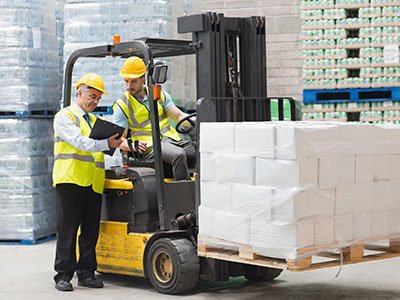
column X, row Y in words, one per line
column 78, row 176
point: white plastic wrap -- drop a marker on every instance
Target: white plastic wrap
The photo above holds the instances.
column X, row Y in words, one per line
column 221, row 223
column 25, row 185
column 387, row 138
column 29, row 63
column 227, row 166
column 217, row 137
column 27, row 226
column 285, row 174
column 304, row 140
column 34, row 202
column 364, row 168
column 248, row 141
column 216, row 195
column 354, row 138
column 60, row 45
column 386, row 167
column 346, row 165
column 25, row 128
column 27, row 198
column 324, row 190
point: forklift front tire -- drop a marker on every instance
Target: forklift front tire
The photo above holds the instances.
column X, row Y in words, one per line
column 173, row 265
column 258, row 274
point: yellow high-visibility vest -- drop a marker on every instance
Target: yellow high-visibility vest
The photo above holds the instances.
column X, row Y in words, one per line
column 138, row 116
column 72, row 165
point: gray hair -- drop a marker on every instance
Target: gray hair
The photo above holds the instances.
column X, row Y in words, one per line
column 82, row 88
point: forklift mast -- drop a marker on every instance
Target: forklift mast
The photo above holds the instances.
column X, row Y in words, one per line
column 231, row 54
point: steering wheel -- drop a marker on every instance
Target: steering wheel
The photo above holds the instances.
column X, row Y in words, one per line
column 186, row 130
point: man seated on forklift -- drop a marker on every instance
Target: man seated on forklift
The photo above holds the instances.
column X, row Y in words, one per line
column 132, row 111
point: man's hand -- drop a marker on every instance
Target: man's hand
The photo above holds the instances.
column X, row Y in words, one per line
column 142, row 146
column 114, row 142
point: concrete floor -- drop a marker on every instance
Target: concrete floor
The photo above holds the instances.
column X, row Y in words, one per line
column 26, row 273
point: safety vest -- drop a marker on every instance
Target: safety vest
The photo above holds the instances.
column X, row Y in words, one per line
column 72, row 165
column 138, row 116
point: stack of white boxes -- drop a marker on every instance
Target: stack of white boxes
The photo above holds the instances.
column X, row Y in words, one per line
column 283, row 186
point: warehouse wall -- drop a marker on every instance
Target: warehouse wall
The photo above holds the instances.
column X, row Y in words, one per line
column 284, row 64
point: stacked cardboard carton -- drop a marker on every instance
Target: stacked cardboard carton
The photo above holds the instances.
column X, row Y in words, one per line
column 284, row 186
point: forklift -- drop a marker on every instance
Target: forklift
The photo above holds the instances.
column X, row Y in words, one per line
column 149, row 223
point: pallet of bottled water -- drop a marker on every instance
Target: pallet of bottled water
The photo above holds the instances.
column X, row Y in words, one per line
column 27, row 198
column 29, row 59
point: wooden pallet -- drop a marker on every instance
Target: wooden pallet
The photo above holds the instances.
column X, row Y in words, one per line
column 310, row 258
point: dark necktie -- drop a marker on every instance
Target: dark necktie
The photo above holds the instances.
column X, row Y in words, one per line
column 87, row 118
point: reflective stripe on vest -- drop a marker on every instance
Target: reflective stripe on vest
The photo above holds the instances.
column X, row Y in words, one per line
column 84, row 158
column 141, row 132
column 139, row 123
column 72, row 165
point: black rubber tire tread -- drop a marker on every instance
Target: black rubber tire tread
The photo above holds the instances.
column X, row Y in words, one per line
column 258, row 274
column 185, row 263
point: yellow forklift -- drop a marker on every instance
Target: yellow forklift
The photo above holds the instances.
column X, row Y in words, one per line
column 149, row 223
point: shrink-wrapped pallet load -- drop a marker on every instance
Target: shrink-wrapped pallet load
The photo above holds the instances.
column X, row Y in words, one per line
column 27, row 199
column 29, row 59
column 30, row 90
column 324, row 186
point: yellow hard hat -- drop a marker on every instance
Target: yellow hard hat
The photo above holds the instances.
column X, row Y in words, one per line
column 132, row 68
column 92, row 80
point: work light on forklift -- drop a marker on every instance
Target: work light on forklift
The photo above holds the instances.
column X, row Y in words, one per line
column 116, row 39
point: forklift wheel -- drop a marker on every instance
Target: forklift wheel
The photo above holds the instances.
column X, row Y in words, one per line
column 258, row 274
column 173, row 265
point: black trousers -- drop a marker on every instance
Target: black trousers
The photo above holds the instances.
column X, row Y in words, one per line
column 76, row 206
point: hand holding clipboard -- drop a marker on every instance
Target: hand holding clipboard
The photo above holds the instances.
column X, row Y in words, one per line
column 103, row 129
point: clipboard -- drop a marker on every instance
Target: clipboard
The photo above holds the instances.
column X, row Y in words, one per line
column 103, row 129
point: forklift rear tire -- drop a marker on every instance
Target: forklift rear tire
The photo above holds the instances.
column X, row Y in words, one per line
column 258, row 274
column 173, row 265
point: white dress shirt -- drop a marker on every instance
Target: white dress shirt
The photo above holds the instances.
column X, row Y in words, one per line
column 71, row 134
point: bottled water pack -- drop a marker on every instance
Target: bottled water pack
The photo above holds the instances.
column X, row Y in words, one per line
column 27, row 226
column 25, row 128
column 27, row 198
column 29, row 63
column 25, row 204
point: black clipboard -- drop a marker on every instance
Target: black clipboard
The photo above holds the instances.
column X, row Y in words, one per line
column 103, row 129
